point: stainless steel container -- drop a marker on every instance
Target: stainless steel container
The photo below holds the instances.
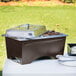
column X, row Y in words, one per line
column 26, row 31
column 72, row 49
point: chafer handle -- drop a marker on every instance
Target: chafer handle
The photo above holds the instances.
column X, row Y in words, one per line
column 3, row 35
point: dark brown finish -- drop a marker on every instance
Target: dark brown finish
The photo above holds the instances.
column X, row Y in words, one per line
column 30, row 50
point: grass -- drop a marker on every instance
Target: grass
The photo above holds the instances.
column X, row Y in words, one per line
column 59, row 18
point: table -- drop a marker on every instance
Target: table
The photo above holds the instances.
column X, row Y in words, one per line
column 38, row 68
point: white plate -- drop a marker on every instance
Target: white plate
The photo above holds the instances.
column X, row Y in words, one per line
column 67, row 60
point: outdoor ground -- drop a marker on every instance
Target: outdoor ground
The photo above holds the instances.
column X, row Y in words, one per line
column 59, row 17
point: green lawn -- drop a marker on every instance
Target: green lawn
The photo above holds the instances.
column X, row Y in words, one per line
column 59, row 18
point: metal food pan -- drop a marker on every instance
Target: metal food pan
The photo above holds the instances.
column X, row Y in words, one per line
column 71, row 49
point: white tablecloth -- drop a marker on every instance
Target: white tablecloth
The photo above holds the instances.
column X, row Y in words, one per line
column 38, row 68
